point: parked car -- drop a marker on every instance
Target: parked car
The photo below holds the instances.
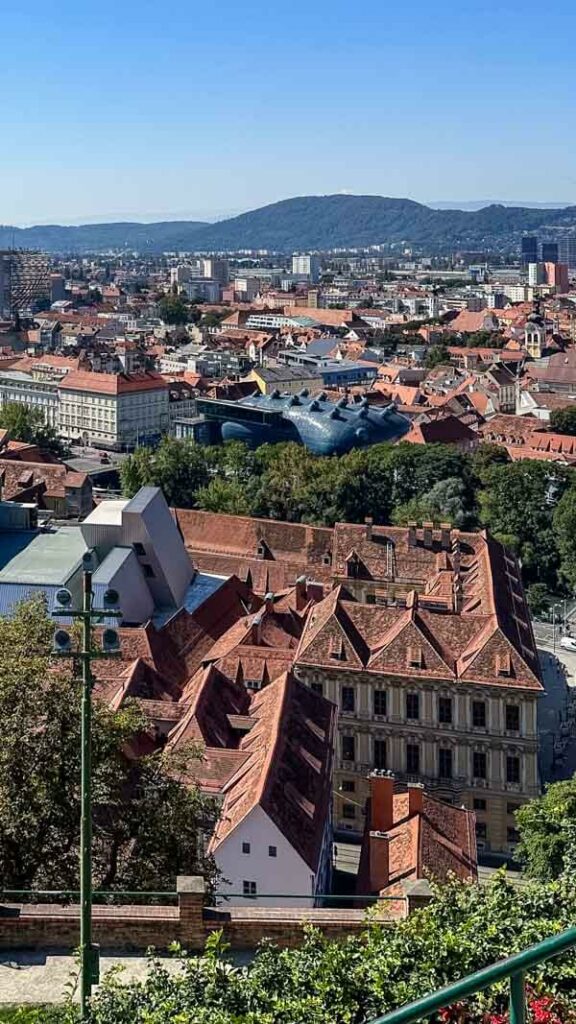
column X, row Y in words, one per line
column 568, row 642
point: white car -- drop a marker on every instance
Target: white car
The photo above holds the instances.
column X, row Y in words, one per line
column 568, row 642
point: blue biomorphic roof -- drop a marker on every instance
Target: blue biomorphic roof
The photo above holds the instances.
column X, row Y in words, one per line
column 324, row 427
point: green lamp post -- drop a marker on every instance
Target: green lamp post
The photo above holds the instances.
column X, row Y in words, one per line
column 110, row 647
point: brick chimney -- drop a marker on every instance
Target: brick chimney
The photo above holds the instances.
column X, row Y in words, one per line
column 301, row 592
column 379, row 861
column 415, row 798
column 381, row 802
column 445, row 530
column 369, row 524
column 428, row 529
column 411, row 535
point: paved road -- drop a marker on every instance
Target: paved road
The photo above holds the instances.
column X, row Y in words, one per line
column 49, row 978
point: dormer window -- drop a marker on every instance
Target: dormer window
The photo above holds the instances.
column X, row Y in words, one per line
column 261, row 550
column 327, row 558
column 338, row 650
column 503, row 665
column 353, row 567
column 415, row 657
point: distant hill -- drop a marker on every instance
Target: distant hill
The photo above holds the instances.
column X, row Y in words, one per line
column 163, row 236
column 311, row 222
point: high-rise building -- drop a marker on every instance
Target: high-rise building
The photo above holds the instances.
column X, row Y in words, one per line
column 306, row 266
column 557, row 276
column 24, row 281
column 529, row 249
column 549, row 252
column 218, row 270
column 567, row 251
column 536, row 274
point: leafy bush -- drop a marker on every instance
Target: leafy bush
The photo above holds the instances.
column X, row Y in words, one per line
column 354, row 981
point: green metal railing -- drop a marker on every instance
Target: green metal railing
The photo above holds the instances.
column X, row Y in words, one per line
column 514, row 968
column 28, row 895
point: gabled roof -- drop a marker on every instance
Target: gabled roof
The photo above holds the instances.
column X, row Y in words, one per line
column 287, row 771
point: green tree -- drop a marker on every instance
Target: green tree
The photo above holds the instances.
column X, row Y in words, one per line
column 228, row 496
column 547, row 828
column 563, row 421
column 179, row 468
column 444, row 502
column 26, row 424
column 173, row 310
column 436, row 355
column 486, row 456
column 565, row 535
column 537, row 597
column 517, row 505
column 147, row 826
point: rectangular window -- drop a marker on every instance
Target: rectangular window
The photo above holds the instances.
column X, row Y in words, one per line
column 348, row 698
column 445, row 710
column 412, row 758
column 348, row 748
column 481, row 830
column 348, row 811
column 317, row 688
column 479, row 764
column 380, row 702
column 148, row 571
column 380, row 754
column 512, row 835
column 512, row 808
column 413, row 706
column 512, row 718
column 272, row 851
column 249, row 888
column 445, row 763
column 512, row 769
column 348, row 786
column 479, row 714
column 479, row 804
column 245, row 847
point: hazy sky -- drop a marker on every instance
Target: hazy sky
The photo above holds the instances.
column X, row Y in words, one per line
column 200, row 109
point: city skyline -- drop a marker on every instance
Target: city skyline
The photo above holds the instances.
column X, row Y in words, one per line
column 217, row 116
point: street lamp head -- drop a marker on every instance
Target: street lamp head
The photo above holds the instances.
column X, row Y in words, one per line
column 87, row 559
column 111, row 598
column 62, row 642
column 63, row 598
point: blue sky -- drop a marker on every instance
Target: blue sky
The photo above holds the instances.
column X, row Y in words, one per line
column 201, row 109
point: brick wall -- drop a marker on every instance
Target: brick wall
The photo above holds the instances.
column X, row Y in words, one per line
column 131, row 928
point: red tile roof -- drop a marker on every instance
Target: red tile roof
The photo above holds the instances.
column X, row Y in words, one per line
column 112, row 383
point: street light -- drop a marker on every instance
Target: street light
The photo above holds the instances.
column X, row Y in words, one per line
column 64, row 648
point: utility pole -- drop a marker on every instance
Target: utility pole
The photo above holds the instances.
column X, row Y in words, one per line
column 89, row 952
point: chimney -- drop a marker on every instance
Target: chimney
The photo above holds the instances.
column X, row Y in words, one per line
column 445, row 530
column 301, row 592
column 381, row 801
column 415, row 798
column 457, row 592
column 257, row 628
column 369, row 524
column 269, row 601
column 428, row 529
column 379, row 861
column 456, row 551
column 411, row 535
column 411, row 599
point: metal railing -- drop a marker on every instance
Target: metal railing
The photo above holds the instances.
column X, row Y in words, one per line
column 514, row 968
